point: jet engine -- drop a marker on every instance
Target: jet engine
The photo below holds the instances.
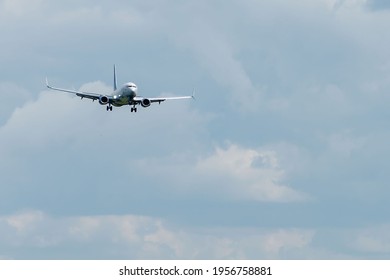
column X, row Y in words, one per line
column 103, row 99
column 145, row 102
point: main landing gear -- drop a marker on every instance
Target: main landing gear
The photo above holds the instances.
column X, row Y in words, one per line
column 133, row 109
column 109, row 108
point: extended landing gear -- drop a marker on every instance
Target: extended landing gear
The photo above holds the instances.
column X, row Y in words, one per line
column 133, row 109
column 109, row 108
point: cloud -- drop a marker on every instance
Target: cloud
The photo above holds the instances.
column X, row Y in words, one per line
column 37, row 230
column 248, row 174
column 131, row 236
column 373, row 240
column 13, row 96
column 24, row 222
column 135, row 236
column 218, row 58
column 276, row 242
column 232, row 173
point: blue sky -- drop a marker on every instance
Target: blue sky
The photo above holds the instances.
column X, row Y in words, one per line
column 283, row 155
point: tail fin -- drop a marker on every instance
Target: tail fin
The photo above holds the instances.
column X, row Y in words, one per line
column 115, row 85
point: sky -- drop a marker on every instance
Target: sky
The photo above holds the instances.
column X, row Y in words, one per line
column 284, row 153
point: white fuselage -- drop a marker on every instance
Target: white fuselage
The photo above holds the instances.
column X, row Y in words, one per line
column 124, row 95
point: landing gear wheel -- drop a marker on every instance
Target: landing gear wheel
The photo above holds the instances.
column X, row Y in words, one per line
column 133, row 109
column 109, row 108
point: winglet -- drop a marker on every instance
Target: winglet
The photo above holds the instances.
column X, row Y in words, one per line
column 193, row 94
column 47, row 83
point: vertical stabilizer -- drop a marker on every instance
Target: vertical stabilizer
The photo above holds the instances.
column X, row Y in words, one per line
column 115, row 86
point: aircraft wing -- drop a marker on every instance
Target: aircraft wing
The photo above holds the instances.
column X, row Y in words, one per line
column 82, row 94
column 139, row 99
column 161, row 99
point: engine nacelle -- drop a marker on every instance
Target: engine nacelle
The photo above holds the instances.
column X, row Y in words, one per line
column 145, row 102
column 103, row 100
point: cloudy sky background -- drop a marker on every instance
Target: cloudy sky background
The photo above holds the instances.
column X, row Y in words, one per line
column 283, row 155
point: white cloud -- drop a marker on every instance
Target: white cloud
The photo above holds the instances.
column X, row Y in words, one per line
column 162, row 238
column 25, row 221
column 48, row 121
column 233, row 173
column 248, row 174
column 13, row 96
column 293, row 239
column 131, row 236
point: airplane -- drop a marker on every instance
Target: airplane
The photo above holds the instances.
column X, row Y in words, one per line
column 126, row 95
